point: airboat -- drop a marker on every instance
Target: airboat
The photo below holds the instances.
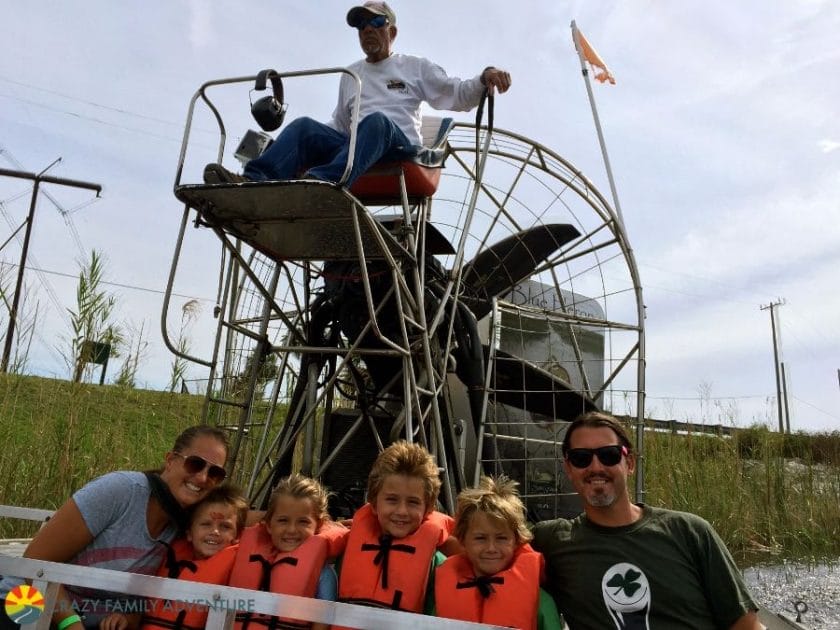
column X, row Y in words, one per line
column 474, row 300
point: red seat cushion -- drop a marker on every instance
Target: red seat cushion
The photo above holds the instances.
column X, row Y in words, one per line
column 383, row 181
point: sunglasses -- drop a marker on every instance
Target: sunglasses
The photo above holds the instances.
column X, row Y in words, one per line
column 377, row 21
column 194, row 464
column 607, row 455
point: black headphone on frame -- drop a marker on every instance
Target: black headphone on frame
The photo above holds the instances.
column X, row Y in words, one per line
column 269, row 110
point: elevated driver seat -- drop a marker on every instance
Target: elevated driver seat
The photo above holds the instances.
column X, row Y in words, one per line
column 380, row 185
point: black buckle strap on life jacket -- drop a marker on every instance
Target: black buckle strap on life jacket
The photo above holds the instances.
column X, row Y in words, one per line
column 271, row 622
column 174, row 567
column 265, row 586
column 484, row 584
column 267, row 567
column 383, row 549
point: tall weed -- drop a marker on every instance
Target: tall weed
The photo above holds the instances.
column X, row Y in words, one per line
column 760, row 499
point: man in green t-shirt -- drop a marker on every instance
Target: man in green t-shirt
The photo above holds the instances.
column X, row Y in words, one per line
column 631, row 566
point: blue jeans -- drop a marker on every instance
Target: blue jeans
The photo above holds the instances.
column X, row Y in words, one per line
column 320, row 152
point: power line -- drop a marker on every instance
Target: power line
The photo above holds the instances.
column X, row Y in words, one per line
column 116, row 110
column 96, row 120
column 808, row 323
column 725, row 285
column 805, row 402
column 44, row 281
column 15, row 197
column 719, row 398
column 132, row 287
column 91, row 103
column 710, row 398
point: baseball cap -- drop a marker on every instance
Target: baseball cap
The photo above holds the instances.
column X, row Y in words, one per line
column 356, row 14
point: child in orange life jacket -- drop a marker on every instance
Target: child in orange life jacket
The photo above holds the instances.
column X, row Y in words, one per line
column 283, row 554
column 496, row 580
column 395, row 535
column 205, row 555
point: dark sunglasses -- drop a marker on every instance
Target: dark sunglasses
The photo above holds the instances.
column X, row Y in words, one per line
column 377, row 21
column 607, row 455
column 194, row 464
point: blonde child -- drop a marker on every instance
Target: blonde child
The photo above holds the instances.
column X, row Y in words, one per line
column 395, row 535
column 288, row 551
column 204, row 555
column 496, row 580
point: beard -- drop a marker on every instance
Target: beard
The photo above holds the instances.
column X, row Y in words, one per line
column 601, row 499
column 601, row 496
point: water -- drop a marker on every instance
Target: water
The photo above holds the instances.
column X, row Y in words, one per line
column 779, row 586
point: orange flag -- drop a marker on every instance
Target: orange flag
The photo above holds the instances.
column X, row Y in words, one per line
column 594, row 59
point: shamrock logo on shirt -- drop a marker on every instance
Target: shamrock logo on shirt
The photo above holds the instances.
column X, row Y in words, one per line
column 629, row 582
column 627, row 596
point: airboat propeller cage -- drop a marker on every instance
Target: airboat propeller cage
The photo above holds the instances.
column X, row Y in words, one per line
column 479, row 332
column 269, row 111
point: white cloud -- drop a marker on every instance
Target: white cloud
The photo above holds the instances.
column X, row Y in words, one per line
column 827, row 146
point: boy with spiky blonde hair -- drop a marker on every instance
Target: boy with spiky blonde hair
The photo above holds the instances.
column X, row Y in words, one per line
column 496, row 580
column 395, row 536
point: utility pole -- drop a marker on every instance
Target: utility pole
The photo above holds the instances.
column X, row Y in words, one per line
column 785, row 397
column 777, row 368
column 37, row 178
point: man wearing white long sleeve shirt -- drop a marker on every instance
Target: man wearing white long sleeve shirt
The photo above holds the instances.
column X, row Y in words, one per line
column 393, row 88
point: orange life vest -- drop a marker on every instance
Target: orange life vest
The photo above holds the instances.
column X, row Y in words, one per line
column 446, row 522
column 181, row 564
column 508, row 598
column 336, row 536
column 388, row 573
column 259, row 567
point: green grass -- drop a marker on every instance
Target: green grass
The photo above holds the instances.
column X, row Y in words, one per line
column 58, row 435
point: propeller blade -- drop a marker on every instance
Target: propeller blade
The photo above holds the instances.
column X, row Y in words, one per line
column 499, row 268
column 521, row 384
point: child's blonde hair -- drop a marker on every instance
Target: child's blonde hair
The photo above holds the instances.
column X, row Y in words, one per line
column 411, row 460
column 301, row 487
column 227, row 494
column 497, row 497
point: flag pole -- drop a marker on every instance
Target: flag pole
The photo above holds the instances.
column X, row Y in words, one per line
column 594, row 59
column 585, row 71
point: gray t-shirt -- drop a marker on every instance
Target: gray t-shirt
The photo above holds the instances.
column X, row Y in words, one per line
column 114, row 510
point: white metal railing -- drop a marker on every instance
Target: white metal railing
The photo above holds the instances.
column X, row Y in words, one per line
column 222, row 601
column 26, row 514
column 16, row 546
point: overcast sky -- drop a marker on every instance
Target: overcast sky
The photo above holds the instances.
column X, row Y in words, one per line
column 722, row 130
